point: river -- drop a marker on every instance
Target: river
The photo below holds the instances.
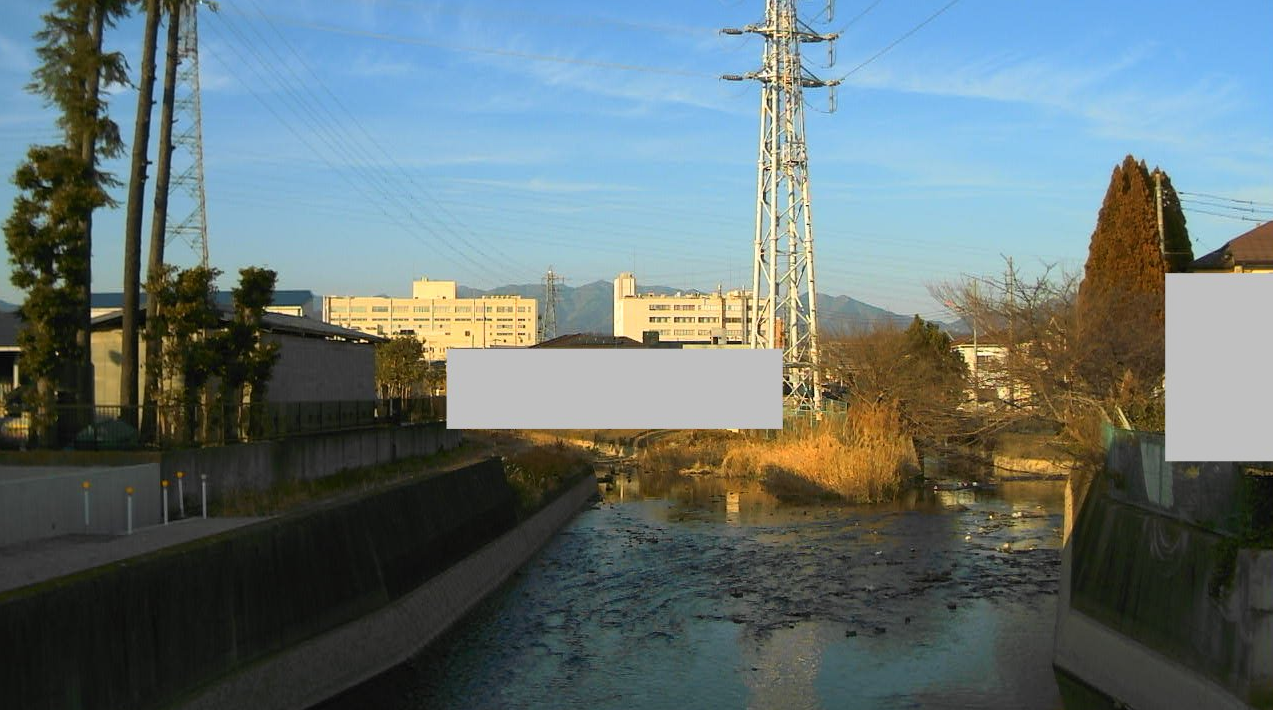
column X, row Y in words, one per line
column 701, row 593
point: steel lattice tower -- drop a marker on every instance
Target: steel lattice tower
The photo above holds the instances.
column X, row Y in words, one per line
column 548, row 325
column 783, row 289
column 188, row 110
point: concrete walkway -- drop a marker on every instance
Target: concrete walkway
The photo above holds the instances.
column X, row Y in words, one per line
column 40, row 560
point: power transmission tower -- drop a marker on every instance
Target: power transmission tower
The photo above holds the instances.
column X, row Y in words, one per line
column 548, row 324
column 783, row 288
column 188, row 109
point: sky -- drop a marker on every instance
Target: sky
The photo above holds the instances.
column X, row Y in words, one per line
column 353, row 145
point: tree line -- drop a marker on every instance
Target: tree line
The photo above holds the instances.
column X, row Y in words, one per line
column 1077, row 351
column 190, row 346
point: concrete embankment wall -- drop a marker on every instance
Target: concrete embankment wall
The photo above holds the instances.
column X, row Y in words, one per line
column 163, row 628
column 39, row 502
column 1143, row 616
column 259, row 465
column 323, row 667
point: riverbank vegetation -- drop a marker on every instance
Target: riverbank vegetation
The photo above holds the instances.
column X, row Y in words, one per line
column 537, row 473
column 865, row 456
column 287, row 496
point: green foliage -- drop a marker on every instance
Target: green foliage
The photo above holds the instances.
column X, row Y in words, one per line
column 400, row 366
column 73, row 66
column 47, row 250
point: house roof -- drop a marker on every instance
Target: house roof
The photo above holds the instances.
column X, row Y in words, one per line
column 1252, row 248
column 286, row 297
column 271, row 323
column 9, row 324
column 589, row 340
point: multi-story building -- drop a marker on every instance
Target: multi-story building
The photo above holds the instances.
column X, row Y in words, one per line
column 720, row 317
column 439, row 319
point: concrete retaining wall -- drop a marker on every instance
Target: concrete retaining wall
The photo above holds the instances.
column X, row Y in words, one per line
column 259, row 465
column 162, row 626
column 1138, row 620
column 325, row 666
column 39, row 502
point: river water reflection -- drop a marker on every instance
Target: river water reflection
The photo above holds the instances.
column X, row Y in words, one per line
column 703, row 593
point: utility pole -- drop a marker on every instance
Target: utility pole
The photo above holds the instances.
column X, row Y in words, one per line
column 548, row 325
column 783, row 285
column 1162, row 240
column 193, row 229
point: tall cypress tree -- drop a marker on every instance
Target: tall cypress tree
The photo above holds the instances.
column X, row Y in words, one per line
column 1121, row 300
column 49, row 232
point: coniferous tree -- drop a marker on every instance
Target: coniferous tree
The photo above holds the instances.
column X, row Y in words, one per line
column 72, row 71
column 1121, row 300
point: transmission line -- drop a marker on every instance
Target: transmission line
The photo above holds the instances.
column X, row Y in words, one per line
column 500, row 260
column 899, row 40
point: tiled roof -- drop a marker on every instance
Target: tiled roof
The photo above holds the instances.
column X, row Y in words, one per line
column 274, row 323
column 589, row 340
column 1250, row 249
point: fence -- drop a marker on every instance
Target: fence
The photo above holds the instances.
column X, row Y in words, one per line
column 116, row 427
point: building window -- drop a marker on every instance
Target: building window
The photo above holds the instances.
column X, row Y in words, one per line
column 522, row 309
column 660, row 307
column 683, row 319
column 463, row 309
column 733, row 320
column 503, row 309
column 357, row 309
column 421, row 309
column 380, row 309
column 685, row 307
column 659, row 319
column 704, row 332
column 684, row 332
column 442, row 309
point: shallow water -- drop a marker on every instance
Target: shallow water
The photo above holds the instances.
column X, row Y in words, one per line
column 693, row 593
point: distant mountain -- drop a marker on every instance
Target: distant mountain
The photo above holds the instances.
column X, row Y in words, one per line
column 6, row 307
column 590, row 308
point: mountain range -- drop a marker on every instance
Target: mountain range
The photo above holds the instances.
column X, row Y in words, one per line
column 590, row 308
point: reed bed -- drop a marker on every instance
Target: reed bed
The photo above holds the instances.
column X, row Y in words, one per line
column 865, row 456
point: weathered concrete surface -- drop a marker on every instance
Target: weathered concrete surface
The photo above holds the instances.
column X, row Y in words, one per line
column 38, row 502
column 259, row 465
column 1137, row 620
column 324, row 666
column 146, row 632
column 41, row 560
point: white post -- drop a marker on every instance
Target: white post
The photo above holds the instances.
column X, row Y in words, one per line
column 164, row 484
column 85, row 485
column 129, row 491
column 203, row 485
column 181, row 493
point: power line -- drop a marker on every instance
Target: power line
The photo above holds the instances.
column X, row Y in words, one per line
column 1230, row 216
column 1225, row 199
column 1223, row 206
column 399, row 39
column 899, row 40
column 370, row 139
column 313, row 113
column 332, row 143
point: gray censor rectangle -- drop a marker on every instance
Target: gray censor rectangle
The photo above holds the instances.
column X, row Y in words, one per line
column 614, row 389
column 1219, row 382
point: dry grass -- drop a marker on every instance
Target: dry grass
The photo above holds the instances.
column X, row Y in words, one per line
column 865, row 457
column 688, row 450
column 540, row 471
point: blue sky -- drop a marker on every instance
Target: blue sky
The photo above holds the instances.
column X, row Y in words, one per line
column 355, row 144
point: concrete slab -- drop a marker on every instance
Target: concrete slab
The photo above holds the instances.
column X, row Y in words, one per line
column 37, row 561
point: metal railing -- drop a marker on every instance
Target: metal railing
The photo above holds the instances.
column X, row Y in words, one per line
column 116, row 427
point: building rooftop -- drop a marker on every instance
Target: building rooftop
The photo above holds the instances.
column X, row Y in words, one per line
column 1254, row 248
column 589, row 340
column 272, row 323
column 285, row 297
